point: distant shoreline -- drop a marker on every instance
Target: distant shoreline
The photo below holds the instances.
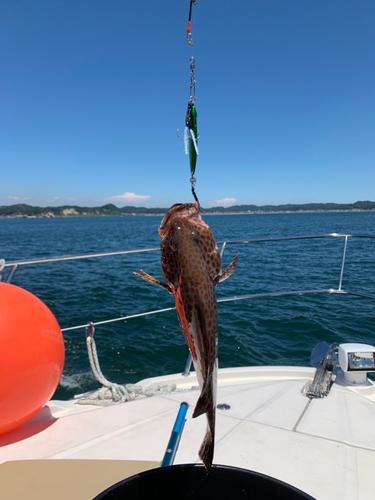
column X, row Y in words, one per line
column 205, row 214
column 279, row 212
column 21, row 211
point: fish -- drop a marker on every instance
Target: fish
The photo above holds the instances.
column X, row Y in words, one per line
column 191, row 266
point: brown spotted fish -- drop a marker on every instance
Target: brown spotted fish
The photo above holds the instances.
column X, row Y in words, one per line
column 191, row 266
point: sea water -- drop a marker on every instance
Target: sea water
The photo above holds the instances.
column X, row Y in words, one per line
column 273, row 331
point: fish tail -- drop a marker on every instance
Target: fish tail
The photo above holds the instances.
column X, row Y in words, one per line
column 206, row 451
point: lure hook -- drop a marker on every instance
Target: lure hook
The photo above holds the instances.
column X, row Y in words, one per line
column 178, row 136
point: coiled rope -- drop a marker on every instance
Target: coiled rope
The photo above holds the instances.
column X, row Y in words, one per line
column 111, row 393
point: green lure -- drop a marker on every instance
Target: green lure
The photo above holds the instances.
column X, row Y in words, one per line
column 191, row 136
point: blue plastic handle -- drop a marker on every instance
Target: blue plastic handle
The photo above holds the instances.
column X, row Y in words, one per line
column 174, row 440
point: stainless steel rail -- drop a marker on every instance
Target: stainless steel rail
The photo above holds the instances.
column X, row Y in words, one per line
column 339, row 290
column 76, row 257
column 122, row 318
column 306, row 237
column 228, row 299
column 155, row 249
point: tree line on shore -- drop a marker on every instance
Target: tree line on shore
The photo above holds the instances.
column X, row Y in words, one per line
column 23, row 210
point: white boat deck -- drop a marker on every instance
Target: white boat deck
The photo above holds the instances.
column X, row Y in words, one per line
column 271, row 427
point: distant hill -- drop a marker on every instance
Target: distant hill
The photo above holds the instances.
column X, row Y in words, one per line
column 307, row 207
column 23, row 210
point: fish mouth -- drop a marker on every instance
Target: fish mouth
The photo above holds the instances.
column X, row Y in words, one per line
column 187, row 210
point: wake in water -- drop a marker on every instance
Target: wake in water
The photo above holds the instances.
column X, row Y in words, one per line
column 76, row 381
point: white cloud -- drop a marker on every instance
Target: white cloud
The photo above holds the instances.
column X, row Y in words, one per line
column 131, row 198
column 17, row 198
column 226, row 202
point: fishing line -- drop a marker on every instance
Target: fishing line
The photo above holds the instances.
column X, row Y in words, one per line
column 191, row 134
column 189, row 36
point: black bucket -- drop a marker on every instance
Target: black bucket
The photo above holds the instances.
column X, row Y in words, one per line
column 191, row 482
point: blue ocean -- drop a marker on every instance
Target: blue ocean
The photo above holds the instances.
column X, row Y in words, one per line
column 274, row 331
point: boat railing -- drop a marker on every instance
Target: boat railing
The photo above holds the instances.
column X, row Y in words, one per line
column 13, row 266
column 339, row 290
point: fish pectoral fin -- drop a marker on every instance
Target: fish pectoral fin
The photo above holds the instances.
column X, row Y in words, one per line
column 228, row 271
column 146, row 277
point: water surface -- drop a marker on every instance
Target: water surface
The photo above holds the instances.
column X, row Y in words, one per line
column 275, row 331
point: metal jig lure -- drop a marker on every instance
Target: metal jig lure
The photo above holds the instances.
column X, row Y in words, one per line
column 191, row 134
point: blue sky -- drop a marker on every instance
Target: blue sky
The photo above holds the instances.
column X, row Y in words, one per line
column 92, row 93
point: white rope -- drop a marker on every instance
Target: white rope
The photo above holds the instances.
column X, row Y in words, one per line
column 119, row 392
column 111, row 393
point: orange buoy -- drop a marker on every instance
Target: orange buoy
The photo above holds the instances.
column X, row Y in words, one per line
column 31, row 356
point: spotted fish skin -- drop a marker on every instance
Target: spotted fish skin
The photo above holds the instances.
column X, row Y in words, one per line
column 191, row 266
